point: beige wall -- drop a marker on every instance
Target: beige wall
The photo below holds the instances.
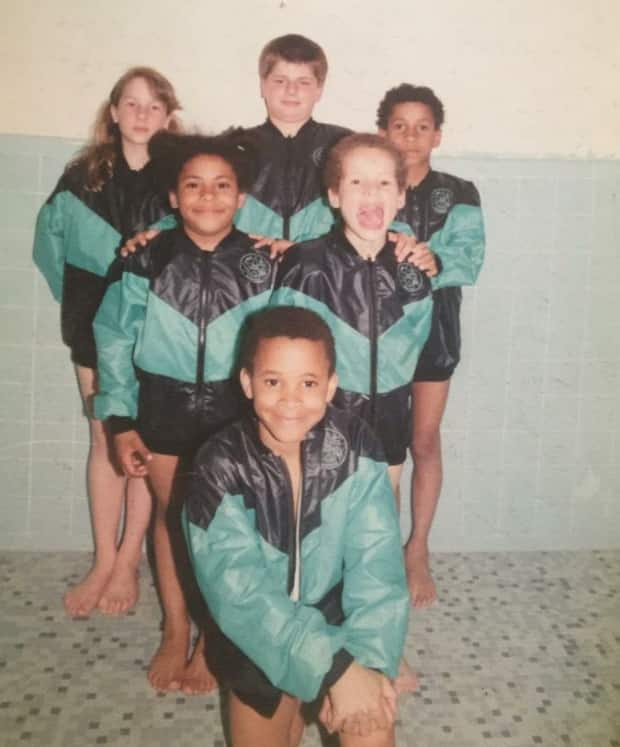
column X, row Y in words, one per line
column 519, row 77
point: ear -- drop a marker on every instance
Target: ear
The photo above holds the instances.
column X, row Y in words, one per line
column 246, row 383
column 332, row 385
column 333, row 198
column 172, row 197
column 241, row 200
column 114, row 113
column 382, row 132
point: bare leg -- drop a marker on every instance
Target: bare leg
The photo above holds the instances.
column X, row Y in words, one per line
column 380, row 738
column 198, row 678
column 394, row 473
column 121, row 592
column 249, row 729
column 168, row 665
column 106, row 487
column 429, row 403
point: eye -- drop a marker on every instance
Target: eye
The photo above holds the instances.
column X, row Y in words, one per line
column 271, row 383
column 386, row 182
column 191, row 184
column 398, row 126
column 157, row 107
column 356, row 181
column 224, row 185
column 310, row 383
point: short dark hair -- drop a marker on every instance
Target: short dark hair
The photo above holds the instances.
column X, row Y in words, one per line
column 293, row 48
column 335, row 159
column 285, row 321
column 408, row 93
column 169, row 152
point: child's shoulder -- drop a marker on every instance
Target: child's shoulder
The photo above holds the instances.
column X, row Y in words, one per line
column 355, row 433
column 449, row 185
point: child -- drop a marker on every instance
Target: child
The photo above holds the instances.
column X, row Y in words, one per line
column 293, row 536
column 106, row 193
column 174, row 315
column 379, row 310
column 445, row 212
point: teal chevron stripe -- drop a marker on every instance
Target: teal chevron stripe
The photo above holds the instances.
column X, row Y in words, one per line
column 312, row 221
column 254, row 217
column 401, row 344
column 167, row 344
column 165, row 223
column 223, row 337
column 352, row 348
column 90, row 241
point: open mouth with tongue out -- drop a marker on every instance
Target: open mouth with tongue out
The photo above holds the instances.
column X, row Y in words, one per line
column 371, row 217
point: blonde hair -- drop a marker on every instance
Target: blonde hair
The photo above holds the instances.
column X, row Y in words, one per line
column 337, row 155
column 98, row 156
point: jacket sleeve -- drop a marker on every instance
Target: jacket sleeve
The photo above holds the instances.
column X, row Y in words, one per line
column 459, row 244
column 289, row 641
column 49, row 241
column 117, row 326
column 375, row 595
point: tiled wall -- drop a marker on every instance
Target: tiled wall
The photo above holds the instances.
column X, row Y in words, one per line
column 531, row 436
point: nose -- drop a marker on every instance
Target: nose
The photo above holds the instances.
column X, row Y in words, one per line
column 290, row 397
column 207, row 192
column 142, row 111
column 291, row 86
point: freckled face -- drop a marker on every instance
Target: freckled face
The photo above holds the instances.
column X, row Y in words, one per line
column 290, row 386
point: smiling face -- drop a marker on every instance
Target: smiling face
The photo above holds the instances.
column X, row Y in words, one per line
column 368, row 197
column 207, row 197
column 290, row 385
column 139, row 114
column 290, row 91
column 411, row 128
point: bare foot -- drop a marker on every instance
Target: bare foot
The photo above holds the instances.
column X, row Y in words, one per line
column 419, row 579
column 121, row 592
column 406, row 681
column 81, row 600
column 167, row 667
column 198, row 678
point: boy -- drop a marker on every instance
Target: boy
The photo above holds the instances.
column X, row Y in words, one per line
column 166, row 337
column 286, row 201
column 294, row 540
column 379, row 310
column 444, row 211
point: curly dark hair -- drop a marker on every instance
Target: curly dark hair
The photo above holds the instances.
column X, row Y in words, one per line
column 169, row 152
column 408, row 93
column 285, row 321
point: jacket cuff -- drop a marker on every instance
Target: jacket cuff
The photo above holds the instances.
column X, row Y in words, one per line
column 340, row 663
column 118, row 424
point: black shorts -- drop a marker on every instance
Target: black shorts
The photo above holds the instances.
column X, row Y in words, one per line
column 442, row 351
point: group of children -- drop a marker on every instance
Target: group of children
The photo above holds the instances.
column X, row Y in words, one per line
column 282, row 511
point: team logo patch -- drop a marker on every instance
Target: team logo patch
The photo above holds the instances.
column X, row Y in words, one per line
column 410, row 278
column 317, row 155
column 335, row 448
column 254, row 267
column 441, row 200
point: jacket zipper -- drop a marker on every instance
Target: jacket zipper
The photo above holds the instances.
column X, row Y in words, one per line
column 373, row 339
column 292, row 525
column 287, row 207
column 202, row 325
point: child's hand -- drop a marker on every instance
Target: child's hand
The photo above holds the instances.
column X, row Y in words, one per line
column 132, row 454
column 277, row 247
column 408, row 248
column 140, row 239
column 362, row 701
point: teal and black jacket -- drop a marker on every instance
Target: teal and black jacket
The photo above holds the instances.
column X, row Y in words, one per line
column 77, row 233
column 379, row 312
column 167, row 335
column 287, row 199
column 241, row 530
column 444, row 211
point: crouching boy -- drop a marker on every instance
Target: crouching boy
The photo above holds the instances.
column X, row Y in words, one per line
column 292, row 529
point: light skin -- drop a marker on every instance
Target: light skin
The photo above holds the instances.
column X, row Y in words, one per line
column 290, row 384
column 290, row 91
column 111, row 586
column 207, row 196
column 411, row 128
column 139, row 114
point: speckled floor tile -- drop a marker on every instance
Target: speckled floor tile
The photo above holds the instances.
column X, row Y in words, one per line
column 522, row 650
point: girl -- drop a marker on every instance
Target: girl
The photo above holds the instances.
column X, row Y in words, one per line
column 106, row 193
column 166, row 337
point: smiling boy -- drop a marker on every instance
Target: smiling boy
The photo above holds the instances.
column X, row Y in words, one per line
column 293, row 536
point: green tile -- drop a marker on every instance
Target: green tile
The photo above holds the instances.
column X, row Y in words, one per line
column 16, row 327
column 17, row 287
column 51, row 480
column 14, row 440
column 19, row 211
column 16, row 400
column 15, row 363
column 54, row 404
column 16, row 248
column 19, row 172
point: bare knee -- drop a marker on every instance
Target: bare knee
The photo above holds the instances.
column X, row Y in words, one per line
column 426, row 445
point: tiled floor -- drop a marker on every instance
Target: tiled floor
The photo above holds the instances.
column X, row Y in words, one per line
column 524, row 649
